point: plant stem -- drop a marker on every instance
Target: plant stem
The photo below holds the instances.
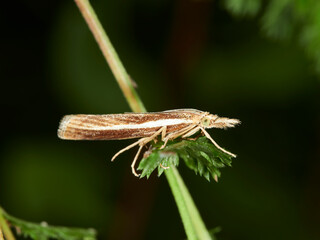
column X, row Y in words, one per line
column 193, row 224
column 5, row 227
column 111, row 56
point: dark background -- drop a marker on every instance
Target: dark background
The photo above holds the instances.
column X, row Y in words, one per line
column 181, row 55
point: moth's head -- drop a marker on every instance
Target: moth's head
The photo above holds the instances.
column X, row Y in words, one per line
column 214, row 121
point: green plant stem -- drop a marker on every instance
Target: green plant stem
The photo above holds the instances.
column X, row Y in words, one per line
column 5, row 227
column 193, row 224
column 191, row 219
column 111, row 56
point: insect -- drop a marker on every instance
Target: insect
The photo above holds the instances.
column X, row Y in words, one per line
column 146, row 126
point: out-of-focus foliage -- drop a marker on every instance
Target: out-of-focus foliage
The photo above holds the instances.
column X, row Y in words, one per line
column 243, row 7
column 43, row 231
column 286, row 19
column 199, row 155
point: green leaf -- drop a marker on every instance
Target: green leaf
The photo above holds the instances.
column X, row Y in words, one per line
column 199, row 155
column 43, row 231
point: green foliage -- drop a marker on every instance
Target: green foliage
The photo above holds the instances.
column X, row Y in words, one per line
column 199, row 155
column 286, row 19
column 279, row 19
column 243, row 7
column 43, row 232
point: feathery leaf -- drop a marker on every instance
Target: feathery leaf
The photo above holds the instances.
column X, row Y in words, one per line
column 199, row 155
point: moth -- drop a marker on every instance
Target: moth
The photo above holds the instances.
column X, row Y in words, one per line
column 168, row 125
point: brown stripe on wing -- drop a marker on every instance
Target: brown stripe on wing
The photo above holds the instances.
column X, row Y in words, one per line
column 72, row 133
column 89, row 121
column 134, row 118
column 173, row 128
column 81, row 127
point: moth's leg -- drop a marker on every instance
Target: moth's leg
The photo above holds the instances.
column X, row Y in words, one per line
column 142, row 142
column 146, row 153
column 138, row 142
column 175, row 134
column 191, row 132
column 179, row 133
column 135, row 160
column 153, row 136
column 163, row 132
column 223, row 150
column 164, row 166
column 126, row 148
column 165, row 143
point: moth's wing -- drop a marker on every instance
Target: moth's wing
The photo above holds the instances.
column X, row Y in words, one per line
column 119, row 126
column 106, row 127
column 101, row 127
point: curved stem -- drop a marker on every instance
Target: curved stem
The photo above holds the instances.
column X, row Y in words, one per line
column 111, row 56
column 193, row 224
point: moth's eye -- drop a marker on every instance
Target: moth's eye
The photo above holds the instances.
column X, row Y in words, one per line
column 206, row 122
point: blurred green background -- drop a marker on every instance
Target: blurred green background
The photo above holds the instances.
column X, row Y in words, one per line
column 181, row 54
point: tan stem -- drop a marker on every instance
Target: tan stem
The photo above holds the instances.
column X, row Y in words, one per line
column 111, row 56
column 5, row 227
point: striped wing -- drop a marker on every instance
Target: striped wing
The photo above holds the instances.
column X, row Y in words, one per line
column 121, row 126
